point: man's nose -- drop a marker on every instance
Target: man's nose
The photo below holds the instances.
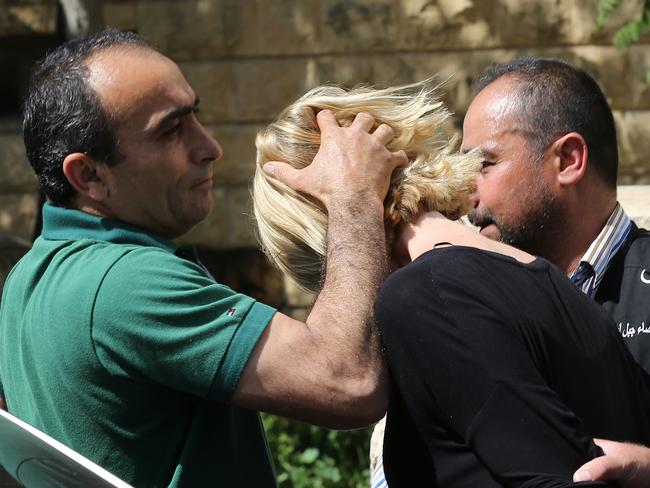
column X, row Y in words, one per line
column 207, row 148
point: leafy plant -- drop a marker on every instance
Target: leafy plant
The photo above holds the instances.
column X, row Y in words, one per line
column 630, row 32
column 605, row 9
column 311, row 457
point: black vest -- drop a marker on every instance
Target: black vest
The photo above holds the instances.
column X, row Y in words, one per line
column 625, row 293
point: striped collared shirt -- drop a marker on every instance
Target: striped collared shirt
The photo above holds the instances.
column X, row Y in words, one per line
column 604, row 248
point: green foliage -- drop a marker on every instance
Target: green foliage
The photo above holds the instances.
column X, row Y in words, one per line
column 605, row 8
column 311, row 457
column 630, row 32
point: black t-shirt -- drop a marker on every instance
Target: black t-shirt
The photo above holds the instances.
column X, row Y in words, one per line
column 503, row 373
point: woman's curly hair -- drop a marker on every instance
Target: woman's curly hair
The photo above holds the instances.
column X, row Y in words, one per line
column 292, row 227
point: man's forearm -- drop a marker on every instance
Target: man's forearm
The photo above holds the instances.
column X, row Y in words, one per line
column 342, row 316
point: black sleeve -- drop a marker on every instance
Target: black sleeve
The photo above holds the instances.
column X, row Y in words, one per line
column 458, row 363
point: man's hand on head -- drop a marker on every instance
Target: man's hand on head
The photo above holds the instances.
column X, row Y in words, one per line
column 627, row 464
column 352, row 163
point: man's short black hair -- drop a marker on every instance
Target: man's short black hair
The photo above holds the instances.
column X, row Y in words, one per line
column 63, row 114
column 555, row 98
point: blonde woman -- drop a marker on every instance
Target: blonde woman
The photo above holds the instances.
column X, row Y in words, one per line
column 497, row 360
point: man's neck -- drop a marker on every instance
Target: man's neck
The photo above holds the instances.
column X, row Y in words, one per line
column 585, row 227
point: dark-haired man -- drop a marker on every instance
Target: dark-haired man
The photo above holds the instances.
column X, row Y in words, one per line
column 548, row 185
column 115, row 341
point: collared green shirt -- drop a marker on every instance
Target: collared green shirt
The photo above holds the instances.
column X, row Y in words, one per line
column 117, row 346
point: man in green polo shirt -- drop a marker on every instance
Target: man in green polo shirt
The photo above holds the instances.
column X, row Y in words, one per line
column 116, row 341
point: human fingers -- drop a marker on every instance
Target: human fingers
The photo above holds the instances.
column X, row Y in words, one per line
column 601, row 468
column 399, row 159
column 363, row 121
column 384, row 134
column 284, row 173
column 628, row 464
column 326, row 120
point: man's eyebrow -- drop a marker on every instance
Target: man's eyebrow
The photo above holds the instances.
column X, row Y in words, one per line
column 484, row 150
column 176, row 113
column 486, row 153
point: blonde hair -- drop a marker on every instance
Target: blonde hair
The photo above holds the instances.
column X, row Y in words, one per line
column 292, row 227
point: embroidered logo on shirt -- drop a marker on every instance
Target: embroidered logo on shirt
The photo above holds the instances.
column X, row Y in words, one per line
column 231, row 312
column 643, row 277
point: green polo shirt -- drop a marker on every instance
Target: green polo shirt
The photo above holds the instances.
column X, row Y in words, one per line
column 118, row 344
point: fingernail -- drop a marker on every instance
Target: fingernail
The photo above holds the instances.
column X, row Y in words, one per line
column 582, row 476
column 269, row 169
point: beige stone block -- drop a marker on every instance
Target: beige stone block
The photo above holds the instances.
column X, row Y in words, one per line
column 247, row 90
column 230, row 225
column 346, row 71
column 213, row 83
column 121, row 14
column 237, row 165
column 192, row 29
column 15, row 172
column 18, row 212
column 635, row 199
column 281, row 27
column 637, row 77
column 210, row 29
column 634, row 146
column 583, row 15
column 608, row 65
column 471, row 24
column 18, row 17
column 359, row 25
column 262, row 88
column 434, row 25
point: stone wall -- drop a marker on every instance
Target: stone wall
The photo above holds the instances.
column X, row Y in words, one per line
column 260, row 55
column 248, row 59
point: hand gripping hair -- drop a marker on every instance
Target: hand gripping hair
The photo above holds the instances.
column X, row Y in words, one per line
column 292, row 227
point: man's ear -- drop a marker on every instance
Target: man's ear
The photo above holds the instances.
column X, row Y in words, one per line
column 571, row 155
column 86, row 176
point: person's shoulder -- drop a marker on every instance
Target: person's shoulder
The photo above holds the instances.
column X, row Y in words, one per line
column 453, row 260
column 440, row 267
column 450, row 256
column 153, row 263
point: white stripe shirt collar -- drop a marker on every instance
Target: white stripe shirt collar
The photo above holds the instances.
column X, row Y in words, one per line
column 607, row 243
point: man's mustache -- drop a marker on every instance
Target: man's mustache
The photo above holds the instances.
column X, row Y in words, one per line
column 480, row 220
